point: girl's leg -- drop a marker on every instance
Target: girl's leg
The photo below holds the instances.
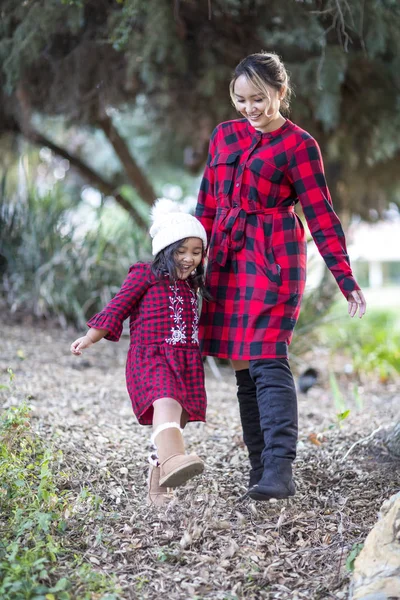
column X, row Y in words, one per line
column 250, row 418
column 277, row 401
column 175, row 466
column 166, row 410
column 184, row 419
column 166, row 428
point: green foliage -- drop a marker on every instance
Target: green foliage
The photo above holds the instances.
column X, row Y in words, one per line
column 33, row 521
column 354, row 552
column 176, row 58
column 26, row 30
column 4, row 386
column 52, row 267
column 372, row 344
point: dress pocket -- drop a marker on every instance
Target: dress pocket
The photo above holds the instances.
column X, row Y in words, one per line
column 273, row 270
column 224, row 165
column 266, row 170
column 266, row 181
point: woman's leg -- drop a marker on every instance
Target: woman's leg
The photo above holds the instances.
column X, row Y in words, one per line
column 250, row 418
column 239, row 365
column 175, row 466
column 277, row 402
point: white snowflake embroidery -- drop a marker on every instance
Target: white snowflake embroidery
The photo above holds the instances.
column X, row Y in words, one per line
column 195, row 309
column 175, row 305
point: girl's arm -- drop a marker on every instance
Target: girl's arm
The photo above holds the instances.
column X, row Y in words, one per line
column 306, row 173
column 206, row 204
column 110, row 319
column 91, row 337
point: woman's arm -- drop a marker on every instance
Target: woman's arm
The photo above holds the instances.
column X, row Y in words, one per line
column 306, row 173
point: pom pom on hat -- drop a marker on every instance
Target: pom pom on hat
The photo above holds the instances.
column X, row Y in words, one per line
column 162, row 207
column 171, row 224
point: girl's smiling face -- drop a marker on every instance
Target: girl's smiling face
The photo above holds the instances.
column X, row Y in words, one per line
column 256, row 106
column 188, row 256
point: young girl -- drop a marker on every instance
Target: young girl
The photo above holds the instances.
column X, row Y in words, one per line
column 164, row 369
column 259, row 167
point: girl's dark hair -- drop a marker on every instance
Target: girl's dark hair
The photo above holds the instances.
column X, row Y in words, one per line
column 165, row 264
column 261, row 69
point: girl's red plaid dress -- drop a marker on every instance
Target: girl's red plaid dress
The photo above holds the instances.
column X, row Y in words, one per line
column 164, row 359
column 257, row 248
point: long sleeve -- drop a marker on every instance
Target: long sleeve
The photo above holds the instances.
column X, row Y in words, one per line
column 206, row 204
column 120, row 307
column 306, row 173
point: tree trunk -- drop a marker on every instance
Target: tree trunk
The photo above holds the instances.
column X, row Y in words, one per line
column 135, row 174
column 88, row 173
column 24, row 122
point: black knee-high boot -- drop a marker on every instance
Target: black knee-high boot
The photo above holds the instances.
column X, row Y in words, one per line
column 277, row 402
column 250, row 418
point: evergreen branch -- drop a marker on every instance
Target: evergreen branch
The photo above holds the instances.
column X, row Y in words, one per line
column 342, row 24
column 335, row 9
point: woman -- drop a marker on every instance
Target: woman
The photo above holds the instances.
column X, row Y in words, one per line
column 258, row 168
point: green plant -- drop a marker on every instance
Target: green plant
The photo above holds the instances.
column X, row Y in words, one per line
column 340, row 404
column 354, row 552
column 54, row 268
column 5, row 386
column 372, row 344
column 37, row 560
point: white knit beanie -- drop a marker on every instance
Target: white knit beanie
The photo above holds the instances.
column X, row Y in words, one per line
column 171, row 224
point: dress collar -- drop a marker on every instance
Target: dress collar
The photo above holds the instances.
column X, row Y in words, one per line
column 269, row 134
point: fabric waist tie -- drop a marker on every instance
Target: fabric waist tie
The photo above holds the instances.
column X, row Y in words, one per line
column 233, row 225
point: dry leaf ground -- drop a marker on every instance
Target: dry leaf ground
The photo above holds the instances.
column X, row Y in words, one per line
column 209, row 543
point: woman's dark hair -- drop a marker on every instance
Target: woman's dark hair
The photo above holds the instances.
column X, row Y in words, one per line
column 165, row 263
column 262, row 69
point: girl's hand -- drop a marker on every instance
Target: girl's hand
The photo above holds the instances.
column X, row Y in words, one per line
column 81, row 344
column 356, row 302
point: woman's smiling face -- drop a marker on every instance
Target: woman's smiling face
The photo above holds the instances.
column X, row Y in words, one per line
column 254, row 105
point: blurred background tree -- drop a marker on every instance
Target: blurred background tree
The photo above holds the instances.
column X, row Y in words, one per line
column 98, row 64
column 107, row 104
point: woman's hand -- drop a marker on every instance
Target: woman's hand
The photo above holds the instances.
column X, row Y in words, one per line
column 81, row 344
column 356, row 302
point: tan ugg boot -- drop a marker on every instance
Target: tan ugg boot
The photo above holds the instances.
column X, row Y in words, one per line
column 156, row 494
column 176, row 467
column 179, row 468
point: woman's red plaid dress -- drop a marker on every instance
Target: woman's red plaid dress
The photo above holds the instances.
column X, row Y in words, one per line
column 257, row 248
column 164, row 359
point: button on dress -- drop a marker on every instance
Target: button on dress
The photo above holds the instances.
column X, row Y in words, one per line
column 257, row 245
column 164, row 359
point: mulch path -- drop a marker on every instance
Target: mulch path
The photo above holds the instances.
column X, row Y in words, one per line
column 208, row 543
